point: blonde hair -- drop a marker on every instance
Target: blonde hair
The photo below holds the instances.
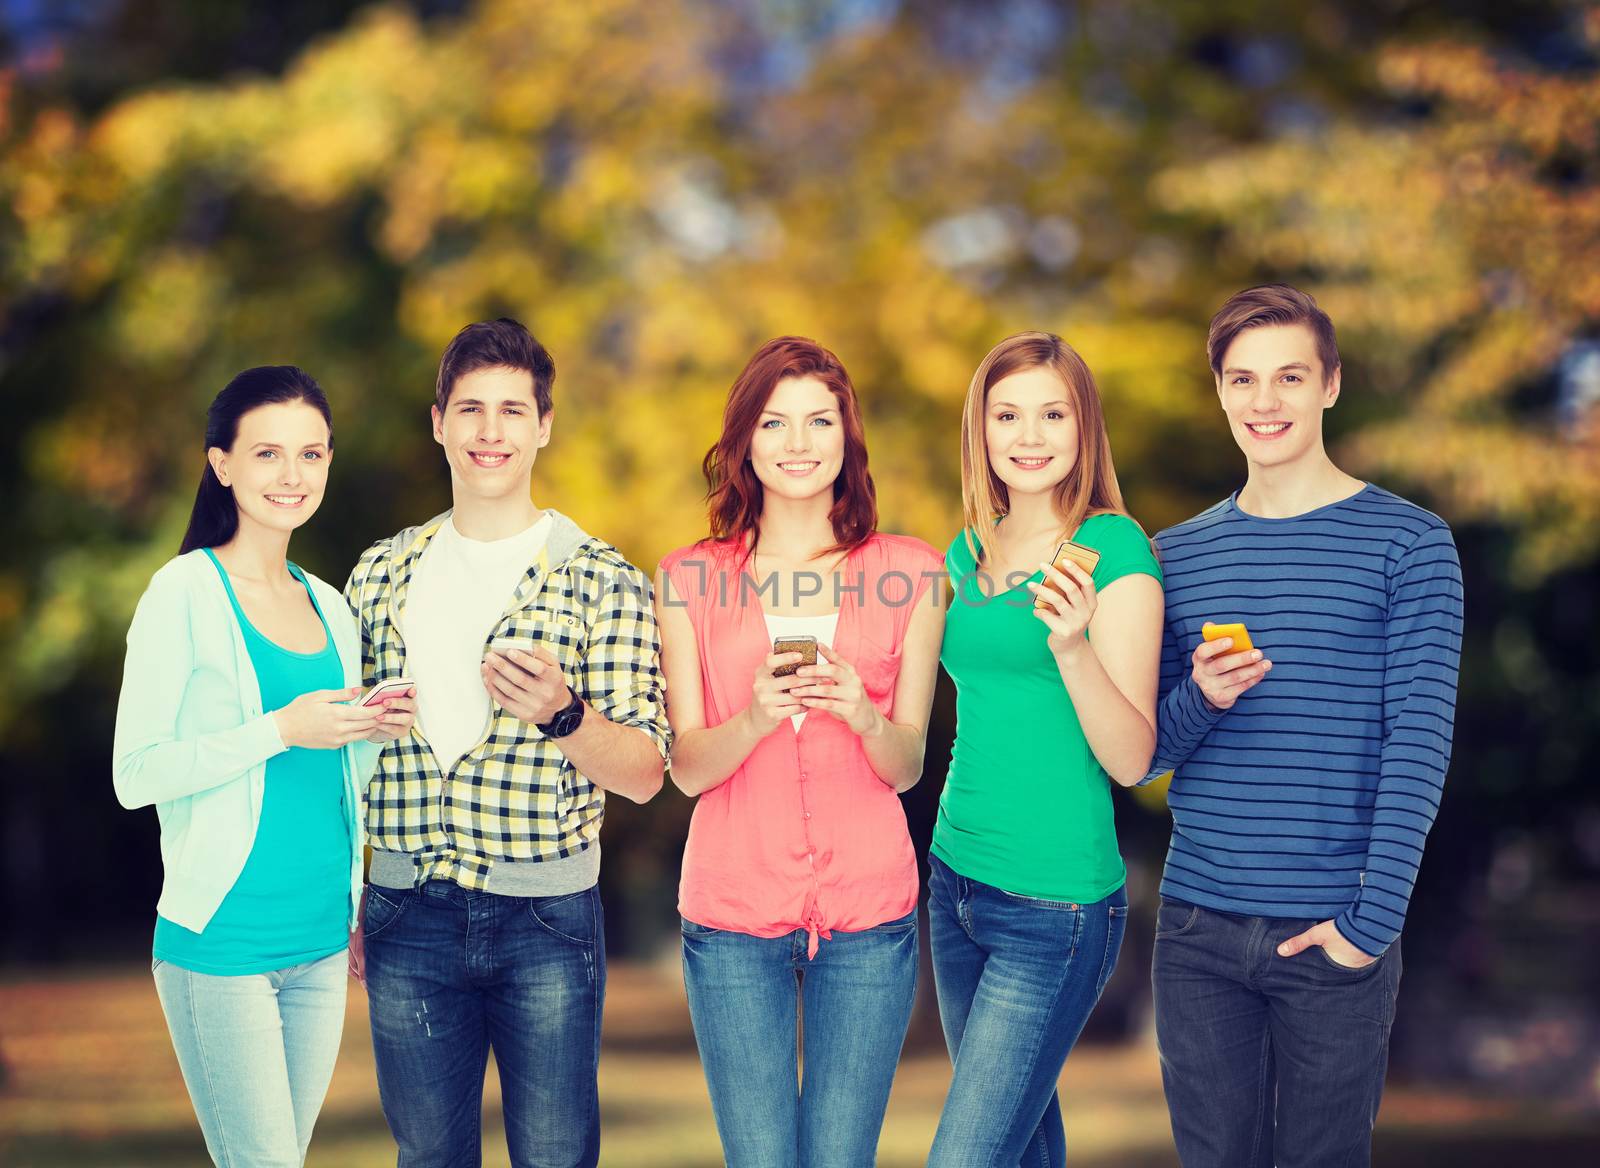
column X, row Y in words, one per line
column 1090, row 488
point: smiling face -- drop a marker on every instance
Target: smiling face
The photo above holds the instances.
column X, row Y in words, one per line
column 1274, row 390
column 798, row 445
column 491, row 433
column 278, row 464
column 1031, row 431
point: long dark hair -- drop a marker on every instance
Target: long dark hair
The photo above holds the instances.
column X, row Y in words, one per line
column 215, row 517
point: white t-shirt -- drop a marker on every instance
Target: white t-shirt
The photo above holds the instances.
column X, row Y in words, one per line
column 822, row 628
column 459, row 591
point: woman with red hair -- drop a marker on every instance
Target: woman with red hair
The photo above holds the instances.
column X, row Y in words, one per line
column 799, row 887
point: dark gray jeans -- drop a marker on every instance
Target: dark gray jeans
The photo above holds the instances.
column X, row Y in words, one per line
column 1267, row 1060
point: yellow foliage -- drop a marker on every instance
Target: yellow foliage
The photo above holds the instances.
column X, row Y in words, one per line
column 166, row 311
column 1461, row 270
column 596, row 170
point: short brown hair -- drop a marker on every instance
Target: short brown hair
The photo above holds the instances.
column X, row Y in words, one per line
column 1271, row 304
column 735, row 493
column 496, row 344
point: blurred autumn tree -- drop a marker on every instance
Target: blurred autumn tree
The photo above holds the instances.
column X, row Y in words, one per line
column 1462, row 254
column 656, row 186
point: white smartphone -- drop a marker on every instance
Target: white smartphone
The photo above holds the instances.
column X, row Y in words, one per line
column 394, row 687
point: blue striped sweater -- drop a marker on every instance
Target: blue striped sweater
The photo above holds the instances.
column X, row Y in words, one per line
column 1313, row 795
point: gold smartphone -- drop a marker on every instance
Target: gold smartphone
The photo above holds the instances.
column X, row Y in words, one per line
column 803, row 645
column 1085, row 558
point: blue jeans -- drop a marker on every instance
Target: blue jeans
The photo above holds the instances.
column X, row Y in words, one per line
column 1266, row 1059
column 744, row 995
column 1017, row 979
column 257, row 1052
column 452, row 974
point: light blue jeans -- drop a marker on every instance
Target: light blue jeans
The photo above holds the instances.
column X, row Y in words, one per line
column 1017, row 977
column 745, row 995
column 257, row 1054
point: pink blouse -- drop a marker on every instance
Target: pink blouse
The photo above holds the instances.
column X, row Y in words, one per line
column 804, row 835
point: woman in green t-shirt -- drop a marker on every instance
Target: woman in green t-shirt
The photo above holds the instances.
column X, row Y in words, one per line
column 1055, row 673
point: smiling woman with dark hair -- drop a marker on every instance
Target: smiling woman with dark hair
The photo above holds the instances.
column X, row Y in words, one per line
column 235, row 723
column 799, row 888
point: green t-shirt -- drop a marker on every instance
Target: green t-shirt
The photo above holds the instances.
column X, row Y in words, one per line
column 1026, row 807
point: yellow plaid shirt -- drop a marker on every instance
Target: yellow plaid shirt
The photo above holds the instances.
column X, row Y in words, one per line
column 514, row 796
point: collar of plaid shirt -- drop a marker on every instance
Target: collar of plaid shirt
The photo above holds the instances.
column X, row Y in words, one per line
column 514, row 799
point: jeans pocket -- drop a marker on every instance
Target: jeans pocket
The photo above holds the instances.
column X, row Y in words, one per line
column 570, row 917
column 384, row 907
column 901, row 925
column 1042, row 902
column 1047, row 927
column 1175, row 918
column 1367, row 993
column 1353, row 971
column 695, row 929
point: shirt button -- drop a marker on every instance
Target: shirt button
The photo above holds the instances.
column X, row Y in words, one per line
column 808, row 814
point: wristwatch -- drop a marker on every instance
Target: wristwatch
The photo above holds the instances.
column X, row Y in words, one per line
column 566, row 720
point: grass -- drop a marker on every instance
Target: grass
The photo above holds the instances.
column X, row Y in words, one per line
column 91, row 1081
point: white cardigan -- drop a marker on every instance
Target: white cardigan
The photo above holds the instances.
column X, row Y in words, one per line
column 192, row 739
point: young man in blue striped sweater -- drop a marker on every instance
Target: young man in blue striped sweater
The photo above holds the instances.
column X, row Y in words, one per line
column 1307, row 769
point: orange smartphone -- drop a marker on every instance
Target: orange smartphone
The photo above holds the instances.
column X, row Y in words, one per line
column 1241, row 638
column 805, row 646
column 1069, row 553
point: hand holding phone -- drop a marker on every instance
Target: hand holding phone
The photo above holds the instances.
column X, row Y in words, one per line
column 1225, row 664
column 833, row 687
column 770, row 699
column 1065, row 600
column 395, row 702
column 525, row 682
column 325, row 719
column 1082, row 556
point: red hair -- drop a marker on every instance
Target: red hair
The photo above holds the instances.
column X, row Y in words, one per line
column 734, row 493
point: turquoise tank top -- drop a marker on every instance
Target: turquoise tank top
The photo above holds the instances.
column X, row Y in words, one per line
column 289, row 905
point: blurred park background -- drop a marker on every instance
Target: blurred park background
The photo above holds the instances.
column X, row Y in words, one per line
column 657, row 186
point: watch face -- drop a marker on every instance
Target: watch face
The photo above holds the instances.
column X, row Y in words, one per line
column 565, row 721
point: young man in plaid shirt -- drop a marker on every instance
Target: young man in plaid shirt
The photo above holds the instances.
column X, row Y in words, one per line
column 535, row 655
